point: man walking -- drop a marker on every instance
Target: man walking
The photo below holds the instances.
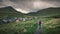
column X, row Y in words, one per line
column 39, row 24
column 38, row 31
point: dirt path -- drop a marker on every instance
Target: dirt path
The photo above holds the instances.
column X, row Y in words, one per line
column 38, row 31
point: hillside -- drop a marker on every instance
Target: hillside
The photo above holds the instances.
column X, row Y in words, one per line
column 9, row 11
column 49, row 25
column 46, row 12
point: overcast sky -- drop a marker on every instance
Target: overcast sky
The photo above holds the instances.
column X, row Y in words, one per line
column 26, row 6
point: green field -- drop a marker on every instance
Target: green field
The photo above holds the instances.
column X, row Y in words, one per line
column 50, row 21
column 49, row 26
column 27, row 27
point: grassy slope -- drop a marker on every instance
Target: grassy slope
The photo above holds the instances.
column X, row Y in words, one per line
column 10, row 12
column 51, row 26
column 46, row 12
column 27, row 27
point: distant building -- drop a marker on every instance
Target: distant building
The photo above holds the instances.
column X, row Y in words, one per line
column 7, row 20
column 17, row 21
column 24, row 19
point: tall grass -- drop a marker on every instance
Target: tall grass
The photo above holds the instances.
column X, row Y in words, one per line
column 27, row 27
column 51, row 26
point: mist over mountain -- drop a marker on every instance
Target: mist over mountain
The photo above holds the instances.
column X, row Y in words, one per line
column 9, row 11
column 47, row 12
column 29, row 5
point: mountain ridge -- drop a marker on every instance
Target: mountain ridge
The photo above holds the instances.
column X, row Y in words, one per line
column 44, row 12
column 47, row 11
column 9, row 11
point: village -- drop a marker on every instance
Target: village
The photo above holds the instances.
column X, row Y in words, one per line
column 16, row 19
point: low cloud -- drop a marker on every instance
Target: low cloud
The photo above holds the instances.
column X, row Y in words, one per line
column 30, row 5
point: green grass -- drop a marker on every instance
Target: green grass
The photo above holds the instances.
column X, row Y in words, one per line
column 51, row 26
column 27, row 27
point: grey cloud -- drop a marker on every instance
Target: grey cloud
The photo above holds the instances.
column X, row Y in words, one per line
column 1, row 4
column 1, row 0
column 14, row 0
column 54, row 2
column 28, row 4
column 24, row 5
column 20, row 0
column 50, row 0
